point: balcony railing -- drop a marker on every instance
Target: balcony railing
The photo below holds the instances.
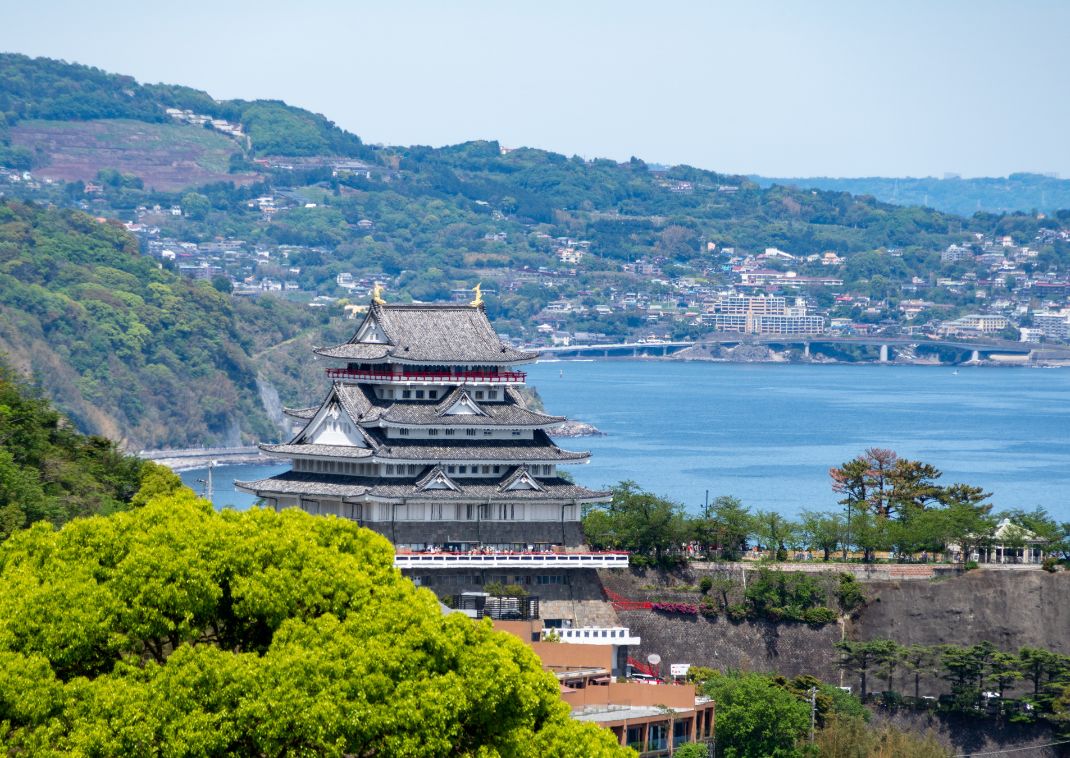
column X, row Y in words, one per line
column 430, row 377
column 510, row 560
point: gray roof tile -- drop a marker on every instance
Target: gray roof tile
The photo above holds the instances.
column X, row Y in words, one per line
column 432, row 334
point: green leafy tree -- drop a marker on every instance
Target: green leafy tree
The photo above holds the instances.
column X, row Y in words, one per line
column 174, row 629
column 774, row 532
column 862, row 658
column 822, row 532
column 638, row 521
column 755, row 717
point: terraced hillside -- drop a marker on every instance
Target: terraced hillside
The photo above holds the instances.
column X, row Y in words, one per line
column 166, row 157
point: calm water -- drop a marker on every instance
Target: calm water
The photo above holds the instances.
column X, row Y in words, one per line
column 768, row 433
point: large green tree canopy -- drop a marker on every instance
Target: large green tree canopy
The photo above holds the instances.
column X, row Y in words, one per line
column 171, row 629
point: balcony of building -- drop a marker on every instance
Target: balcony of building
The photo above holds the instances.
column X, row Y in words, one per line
column 593, row 635
column 418, row 377
column 425, row 561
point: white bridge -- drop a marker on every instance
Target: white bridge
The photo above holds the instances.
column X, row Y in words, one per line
column 510, row 560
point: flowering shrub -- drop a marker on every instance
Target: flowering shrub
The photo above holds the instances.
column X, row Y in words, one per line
column 687, row 609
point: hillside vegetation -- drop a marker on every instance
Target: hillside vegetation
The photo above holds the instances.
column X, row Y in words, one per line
column 129, row 350
column 48, row 471
column 425, row 221
column 175, row 630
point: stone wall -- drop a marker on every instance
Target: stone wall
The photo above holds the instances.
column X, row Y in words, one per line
column 968, row 735
column 581, row 600
column 789, row 649
column 1010, row 609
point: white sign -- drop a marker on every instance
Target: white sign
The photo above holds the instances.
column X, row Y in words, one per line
column 679, row 669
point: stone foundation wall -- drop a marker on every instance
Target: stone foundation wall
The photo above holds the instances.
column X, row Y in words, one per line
column 581, row 601
column 788, row 649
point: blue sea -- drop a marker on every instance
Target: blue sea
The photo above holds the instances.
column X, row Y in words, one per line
column 768, row 433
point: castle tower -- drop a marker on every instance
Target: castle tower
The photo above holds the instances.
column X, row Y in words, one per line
column 425, row 437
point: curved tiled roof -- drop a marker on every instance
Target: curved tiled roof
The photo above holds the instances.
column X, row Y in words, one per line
column 435, row 334
column 483, row 490
column 364, row 408
column 539, row 448
column 324, row 451
column 302, row 413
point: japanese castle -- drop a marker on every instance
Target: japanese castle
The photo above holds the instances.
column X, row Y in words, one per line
column 425, row 437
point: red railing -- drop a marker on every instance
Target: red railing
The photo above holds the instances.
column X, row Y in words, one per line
column 621, row 603
column 445, row 377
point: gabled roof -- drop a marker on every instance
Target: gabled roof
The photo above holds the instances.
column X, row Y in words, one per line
column 520, row 480
column 430, row 333
column 459, row 403
column 301, row 413
column 365, row 409
column 436, row 479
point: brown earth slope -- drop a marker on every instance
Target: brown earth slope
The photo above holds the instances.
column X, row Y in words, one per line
column 166, row 157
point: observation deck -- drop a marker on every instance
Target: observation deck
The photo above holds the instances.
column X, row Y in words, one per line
column 429, row 377
column 510, row 560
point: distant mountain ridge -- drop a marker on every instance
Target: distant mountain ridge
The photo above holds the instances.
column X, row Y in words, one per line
column 1020, row 192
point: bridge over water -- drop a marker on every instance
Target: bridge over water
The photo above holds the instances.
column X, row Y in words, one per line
column 978, row 349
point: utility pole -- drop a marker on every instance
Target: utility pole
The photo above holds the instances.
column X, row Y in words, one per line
column 813, row 712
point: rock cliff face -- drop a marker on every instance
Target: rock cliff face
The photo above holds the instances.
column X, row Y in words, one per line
column 1010, row 609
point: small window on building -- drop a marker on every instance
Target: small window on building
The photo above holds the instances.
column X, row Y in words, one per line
column 516, row 432
column 406, row 394
column 419, row 394
column 470, row 432
column 403, row 432
column 432, row 394
column 487, row 432
column 450, row 432
column 479, row 394
column 432, row 432
column 462, row 469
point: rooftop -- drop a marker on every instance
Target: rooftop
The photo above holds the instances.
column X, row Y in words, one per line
column 432, row 334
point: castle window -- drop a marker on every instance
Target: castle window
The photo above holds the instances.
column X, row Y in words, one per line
column 403, row 432
column 406, row 394
column 450, row 432
column 432, row 432
column 419, row 394
column 470, row 432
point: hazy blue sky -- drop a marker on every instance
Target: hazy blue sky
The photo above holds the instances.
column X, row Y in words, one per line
column 778, row 88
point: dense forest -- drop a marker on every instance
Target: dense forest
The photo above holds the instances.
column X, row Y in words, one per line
column 129, row 350
column 48, row 471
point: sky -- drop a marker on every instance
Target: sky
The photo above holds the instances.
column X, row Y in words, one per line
column 778, row 88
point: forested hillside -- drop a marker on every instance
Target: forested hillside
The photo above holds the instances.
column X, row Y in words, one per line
column 50, row 472
column 129, row 350
column 45, row 89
